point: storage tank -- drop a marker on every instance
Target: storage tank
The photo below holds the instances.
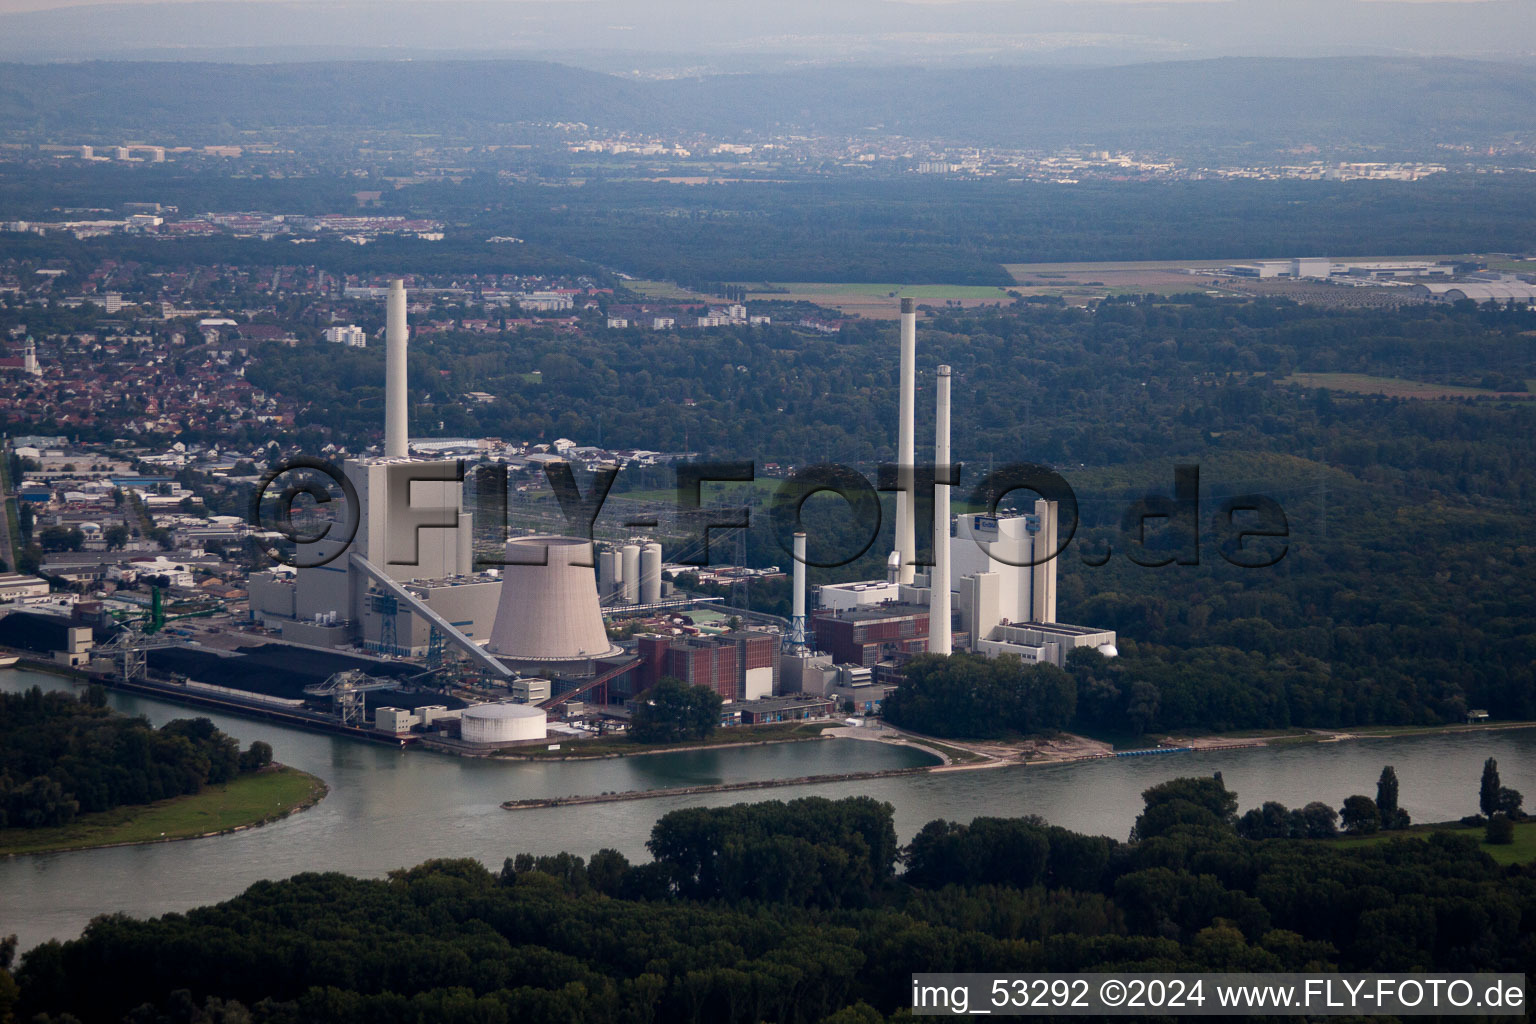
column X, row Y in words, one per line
column 609, row 572
column 650, row 573
column 630, row 573
column 502, row 723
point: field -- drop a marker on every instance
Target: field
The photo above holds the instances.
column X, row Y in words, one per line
column 879, row 301
column 1521, row 851
column 1393, row 387
column 1070, row 280
column 663, row 290
column 249, row 800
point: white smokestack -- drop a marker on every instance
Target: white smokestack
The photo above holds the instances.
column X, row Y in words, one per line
column 906, row 498
column 938, row 590
column 797, row 620
column 396, row 437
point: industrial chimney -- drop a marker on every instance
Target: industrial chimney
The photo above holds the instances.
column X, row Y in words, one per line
column 396, row 438
column 939, row 638
column 797, row 631
column 906, row 497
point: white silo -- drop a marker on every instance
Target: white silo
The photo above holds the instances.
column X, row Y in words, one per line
column 609, row 573
column 630, row 573
column 650, row 573
column 548, row 616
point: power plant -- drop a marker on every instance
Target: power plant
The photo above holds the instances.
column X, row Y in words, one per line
column 992, row 583
column 405, row 584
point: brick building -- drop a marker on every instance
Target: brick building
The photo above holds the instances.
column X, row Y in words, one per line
column 739, row 665
column 866, row 635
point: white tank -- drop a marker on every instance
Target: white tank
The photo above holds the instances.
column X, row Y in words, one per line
column 630, row 573
column 650, row 573
column 502, row 723
column 609, row 572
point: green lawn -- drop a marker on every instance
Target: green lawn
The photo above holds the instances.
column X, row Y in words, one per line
column 660, row 290
column 1521, row 851
column 1392, row 387
column 246, row 801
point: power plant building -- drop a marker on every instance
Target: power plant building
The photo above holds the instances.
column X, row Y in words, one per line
column 871, row 634
column 411, row 530
column 409, row 567
column 739, row 665
column 992, row 589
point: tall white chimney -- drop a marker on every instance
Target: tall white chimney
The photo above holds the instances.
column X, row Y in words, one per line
column 939, row 638
column 906, row 498
column 797, row 631
column 396, row 437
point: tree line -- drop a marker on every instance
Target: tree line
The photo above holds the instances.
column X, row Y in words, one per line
column 805, row 911
column 61, row 756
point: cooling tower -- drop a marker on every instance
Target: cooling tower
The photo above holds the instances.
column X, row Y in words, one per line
column 549, row 612
column 629, row 569
column 396, row 433
column 650, row 573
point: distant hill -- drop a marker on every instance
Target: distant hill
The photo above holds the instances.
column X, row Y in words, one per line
column 1277, row 102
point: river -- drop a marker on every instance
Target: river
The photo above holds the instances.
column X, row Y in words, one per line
column 389, row 808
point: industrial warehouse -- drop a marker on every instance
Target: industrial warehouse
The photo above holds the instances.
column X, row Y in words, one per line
column 399, row 631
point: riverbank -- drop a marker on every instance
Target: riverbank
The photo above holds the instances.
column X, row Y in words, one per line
column 248, row 802
column 957, row 756
column 1065, row 748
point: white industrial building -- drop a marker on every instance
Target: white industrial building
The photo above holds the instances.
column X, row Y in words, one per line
column 16, row 587
column 1320, row 268
column 1479, row 291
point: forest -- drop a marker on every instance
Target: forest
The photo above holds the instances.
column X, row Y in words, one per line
column 61, row 756
column 806, row 911
column 807, row 228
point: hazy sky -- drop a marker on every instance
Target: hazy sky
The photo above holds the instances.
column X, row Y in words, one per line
column 724, row 32
column 639, row 6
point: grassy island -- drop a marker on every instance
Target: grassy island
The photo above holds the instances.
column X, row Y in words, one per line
column 244, row 802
